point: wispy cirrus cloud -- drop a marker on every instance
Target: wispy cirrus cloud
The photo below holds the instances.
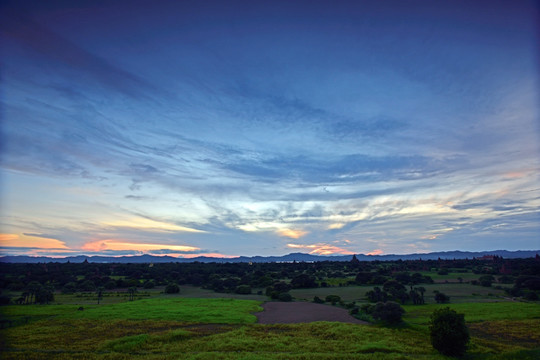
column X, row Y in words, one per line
column 213, row 137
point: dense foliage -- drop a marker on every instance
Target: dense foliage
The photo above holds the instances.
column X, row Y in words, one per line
column 398, row 281
column 388, row 312
column 448, row 332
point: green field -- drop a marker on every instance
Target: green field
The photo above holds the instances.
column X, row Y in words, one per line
column 185, row 327
column 186, row 310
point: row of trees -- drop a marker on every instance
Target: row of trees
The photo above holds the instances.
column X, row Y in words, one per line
column 398, row 281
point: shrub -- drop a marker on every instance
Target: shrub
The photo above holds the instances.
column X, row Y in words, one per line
column 276, row 289
column 69, row 288
column 367, row 308
column 87, row 285
column 448, row 332
column 149, row 284
column 303, row 281
column 388, row 312
column 109, row 285
column 441, row 298
column 285, row 297
column 172, row 288
column 486, row 280
column 350, row 305
column 333, row 299
column 363, row 277
column 318, row 300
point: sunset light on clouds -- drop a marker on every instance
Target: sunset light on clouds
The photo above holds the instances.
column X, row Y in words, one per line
column 102, row 245
column 262, row 128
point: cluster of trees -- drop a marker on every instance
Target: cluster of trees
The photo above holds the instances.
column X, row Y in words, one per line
column 398, row 281
column 393, row 290
column 36, row 293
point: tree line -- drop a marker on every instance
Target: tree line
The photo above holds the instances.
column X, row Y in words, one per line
column 399, row 281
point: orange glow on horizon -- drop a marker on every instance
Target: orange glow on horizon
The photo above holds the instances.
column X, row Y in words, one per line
column 216, row 255
column 322, row 249
column 119, row 245
column 375, row 252
column 30, row 241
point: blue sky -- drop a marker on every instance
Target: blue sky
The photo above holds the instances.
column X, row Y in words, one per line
column 263, row 128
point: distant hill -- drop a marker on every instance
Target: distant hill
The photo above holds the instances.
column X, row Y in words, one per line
column 299, row 257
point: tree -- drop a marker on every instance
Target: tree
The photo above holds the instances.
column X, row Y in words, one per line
column 87, row 285
column 303, row 281
column 363, row 277
column 422, row 290
column 132, row 290
column 32, row 288
column 99, row 293
column 396, row 290
column 441, row 298
column 333, row 299
column 44, row 294
column 486, row 280
column 285, row 297
column 389, row 312
column 172, row 288
column 376, row 295
column 448, row 332
column 69, row 288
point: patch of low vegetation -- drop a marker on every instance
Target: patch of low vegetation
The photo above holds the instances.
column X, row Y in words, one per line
column 223, row 311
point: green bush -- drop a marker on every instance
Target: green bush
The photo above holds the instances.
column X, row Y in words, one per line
column 448, row 332
column 285, row 297
column 441, row 298
column 389, row 312
column 149, row 284
column 172, row 288
column 333, row 299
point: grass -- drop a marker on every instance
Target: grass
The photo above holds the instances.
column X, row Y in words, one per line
column 223, row 311
column 476, row 312
column 164, row 327
column 148, row 339
column 156, row 340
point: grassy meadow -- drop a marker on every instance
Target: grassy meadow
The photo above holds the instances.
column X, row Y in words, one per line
column 158, row 326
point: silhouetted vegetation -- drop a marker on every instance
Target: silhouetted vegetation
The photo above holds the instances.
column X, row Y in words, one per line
column 448, row 332
column 399, row 281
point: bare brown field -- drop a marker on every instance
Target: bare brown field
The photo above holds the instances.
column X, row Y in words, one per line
column 302, row 312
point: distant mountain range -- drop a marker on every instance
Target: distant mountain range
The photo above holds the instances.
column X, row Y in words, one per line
column 299, row 257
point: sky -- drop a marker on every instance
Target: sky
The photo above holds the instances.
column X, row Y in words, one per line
column 227, row 128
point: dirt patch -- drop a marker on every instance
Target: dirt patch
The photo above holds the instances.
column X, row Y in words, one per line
column 302, row 312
